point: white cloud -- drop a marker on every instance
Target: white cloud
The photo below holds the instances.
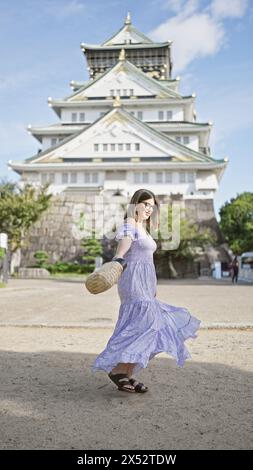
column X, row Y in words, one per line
column 194, row 36
column 182, row 7
column 173, row 5
column 228, row 8
column 196, row 33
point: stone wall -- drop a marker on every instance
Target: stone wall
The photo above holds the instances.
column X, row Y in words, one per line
column 56, row 232
column 202, row 211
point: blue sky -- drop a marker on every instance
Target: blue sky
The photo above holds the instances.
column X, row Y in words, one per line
column 40, row 55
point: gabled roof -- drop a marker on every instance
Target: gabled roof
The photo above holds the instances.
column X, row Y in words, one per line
column 128, row 33
column 128, row 36
column 133, row 73
column 170, row 83
column 126, row 121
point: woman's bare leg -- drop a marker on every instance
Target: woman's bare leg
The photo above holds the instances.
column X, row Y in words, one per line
column 130, row 370
column 121, row 368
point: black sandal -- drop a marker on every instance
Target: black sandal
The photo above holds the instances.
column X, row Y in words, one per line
column 138, row 386
column 121, row 380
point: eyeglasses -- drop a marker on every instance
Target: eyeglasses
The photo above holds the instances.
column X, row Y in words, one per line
column 148, row 206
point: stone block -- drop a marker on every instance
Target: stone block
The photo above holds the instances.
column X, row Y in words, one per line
column 33, row 273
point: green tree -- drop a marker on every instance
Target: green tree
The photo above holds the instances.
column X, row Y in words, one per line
column 92, row 248
column 193, row 240
column 19, row 209
column 236, row 222
column 42, row 258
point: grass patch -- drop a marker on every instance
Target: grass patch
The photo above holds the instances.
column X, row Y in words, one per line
column 68, row 275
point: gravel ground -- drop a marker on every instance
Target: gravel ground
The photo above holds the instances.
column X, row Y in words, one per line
column 63, row 303
column 50, row 399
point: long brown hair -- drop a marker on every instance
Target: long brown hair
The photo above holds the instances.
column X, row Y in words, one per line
column 139, row 196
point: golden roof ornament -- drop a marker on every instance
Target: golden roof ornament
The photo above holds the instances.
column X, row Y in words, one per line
column 117, row 102
column 128, row 18
column 122, row 55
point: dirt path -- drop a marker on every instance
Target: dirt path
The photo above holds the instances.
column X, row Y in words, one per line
column 50, row 399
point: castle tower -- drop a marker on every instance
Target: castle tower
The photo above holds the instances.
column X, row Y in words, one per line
column 127, row 127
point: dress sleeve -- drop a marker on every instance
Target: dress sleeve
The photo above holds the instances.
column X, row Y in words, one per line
column 126, row 230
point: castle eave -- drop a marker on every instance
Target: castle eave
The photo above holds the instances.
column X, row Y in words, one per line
column 97, row 47
column 155, row 165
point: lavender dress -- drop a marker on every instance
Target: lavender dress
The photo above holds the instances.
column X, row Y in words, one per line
column 146, row 326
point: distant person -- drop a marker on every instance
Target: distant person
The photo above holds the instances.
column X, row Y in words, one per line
column 235, row 269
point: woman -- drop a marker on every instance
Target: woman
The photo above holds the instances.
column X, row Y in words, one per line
column 145, row 326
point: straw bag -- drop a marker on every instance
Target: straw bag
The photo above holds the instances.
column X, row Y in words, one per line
column 104, row 277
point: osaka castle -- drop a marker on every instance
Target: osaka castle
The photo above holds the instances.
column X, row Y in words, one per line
column 127, row 127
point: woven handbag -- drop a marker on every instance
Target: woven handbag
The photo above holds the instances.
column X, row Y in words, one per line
column 104, row 277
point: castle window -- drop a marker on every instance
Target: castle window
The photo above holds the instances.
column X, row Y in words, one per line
column 168, row 177
column 159, row 176
column 73, row 177
column 96, row 147
column 137, row 146
column 53, row 141
column 190, row 177
column 113, row 147
column 131, row 92
column 43, row 178
column 140, row 115
column 169, row 115
column 120, row 147
column 105, row 147
column 160, row 115
column 73, row 117
column 64, row 178
column 30, row 175
column 128, row 147
column 47, row 177
column 94, row 177
column 141, row 177
column 137, row 177
column 178, row 139
column 182, row 177
column 86, row 177
column 111, row 92
column 186, row 139
column 145, row 177
column 82, row 117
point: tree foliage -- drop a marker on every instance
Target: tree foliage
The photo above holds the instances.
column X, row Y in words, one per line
column 92, row 248
column 193, row 239
column 19, row 209
column 236, row 222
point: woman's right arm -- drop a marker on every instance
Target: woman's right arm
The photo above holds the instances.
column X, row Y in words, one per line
column 123, row 246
